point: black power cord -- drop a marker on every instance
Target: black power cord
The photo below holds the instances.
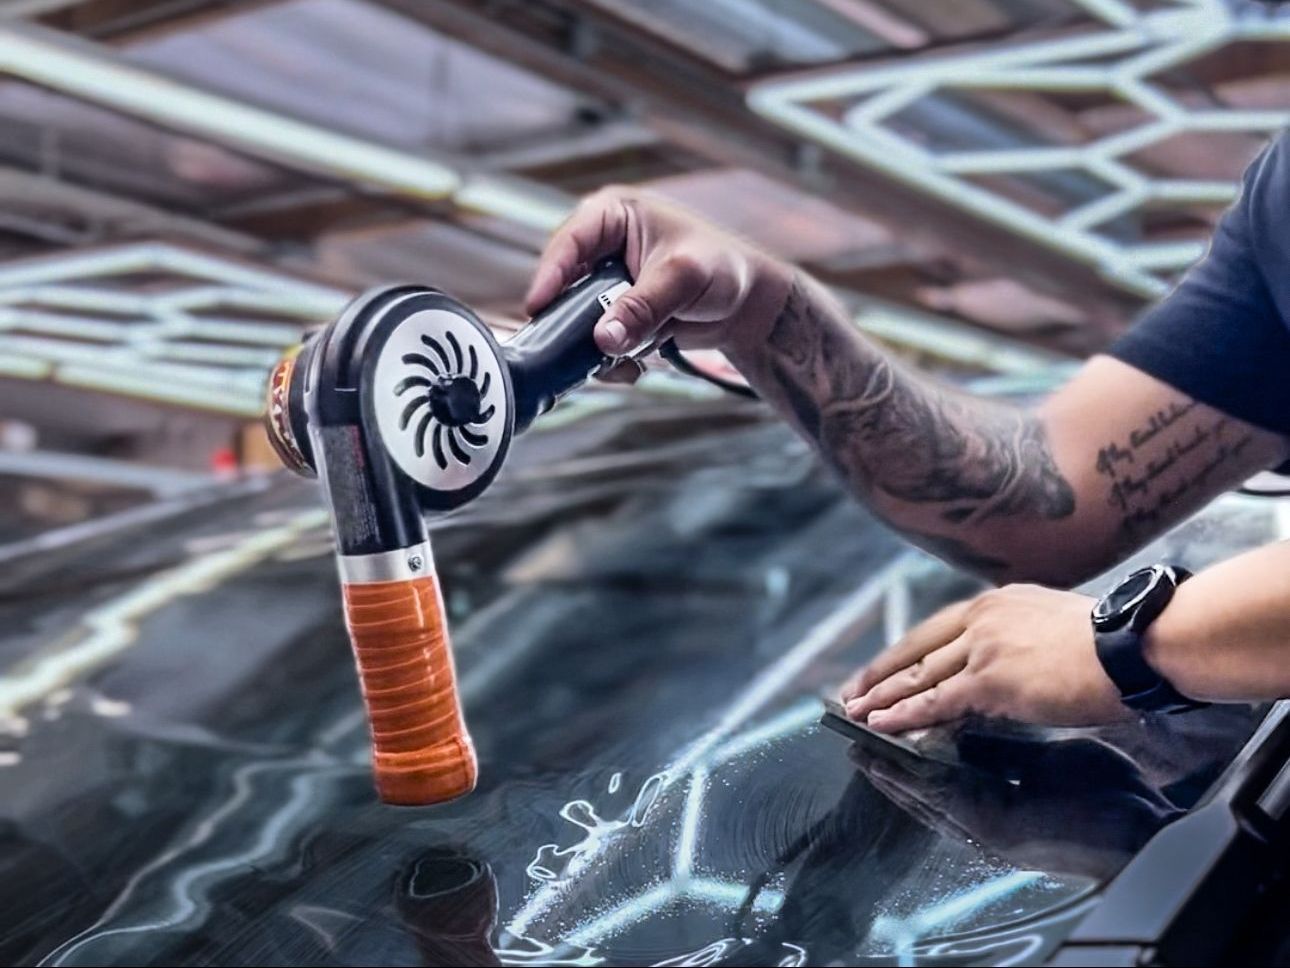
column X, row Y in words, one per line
column 1258, row 492
column 672, row 353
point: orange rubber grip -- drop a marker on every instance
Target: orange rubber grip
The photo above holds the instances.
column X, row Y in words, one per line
column 421, row 752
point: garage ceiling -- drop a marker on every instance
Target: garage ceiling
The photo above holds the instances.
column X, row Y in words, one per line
column 948, row 158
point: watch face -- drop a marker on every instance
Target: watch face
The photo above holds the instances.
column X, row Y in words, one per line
column 1120, row 601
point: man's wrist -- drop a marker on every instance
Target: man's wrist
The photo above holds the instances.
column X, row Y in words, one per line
column 1168, row 644
column 1122, row 620
column 768, row 294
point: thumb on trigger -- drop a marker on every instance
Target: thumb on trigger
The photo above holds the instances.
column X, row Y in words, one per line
column 663, row 289
column 629, row 319
column 611, row 336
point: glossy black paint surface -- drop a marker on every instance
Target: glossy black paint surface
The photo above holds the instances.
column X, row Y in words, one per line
column 644, row 616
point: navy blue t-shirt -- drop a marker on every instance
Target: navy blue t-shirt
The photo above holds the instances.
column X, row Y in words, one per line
column 1223, row 335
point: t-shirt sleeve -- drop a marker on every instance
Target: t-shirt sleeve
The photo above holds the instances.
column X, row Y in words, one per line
column 1222, row 336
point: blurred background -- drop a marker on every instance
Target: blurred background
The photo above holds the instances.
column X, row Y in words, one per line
column 995, row 186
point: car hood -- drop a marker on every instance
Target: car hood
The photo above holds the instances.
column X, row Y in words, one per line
column 645, row 611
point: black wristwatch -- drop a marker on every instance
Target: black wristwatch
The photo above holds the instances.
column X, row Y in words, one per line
column 1120, row 619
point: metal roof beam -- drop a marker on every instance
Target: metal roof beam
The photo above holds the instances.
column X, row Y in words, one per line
column 112, row 216
column 703, row 110
column 126, row 19
column 93, row 73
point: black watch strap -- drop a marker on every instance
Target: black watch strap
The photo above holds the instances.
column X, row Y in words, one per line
column 1121, row 653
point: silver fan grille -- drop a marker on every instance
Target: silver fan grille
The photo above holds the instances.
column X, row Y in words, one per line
column 441, row 403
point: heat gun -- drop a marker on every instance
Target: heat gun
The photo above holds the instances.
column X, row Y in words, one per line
column 407, row 404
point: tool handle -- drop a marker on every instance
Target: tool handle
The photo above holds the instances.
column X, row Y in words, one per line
column 421, row 752
column 557, row 351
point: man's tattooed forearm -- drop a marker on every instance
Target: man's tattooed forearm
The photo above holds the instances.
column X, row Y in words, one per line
column 1166, row 463
column 886, row 432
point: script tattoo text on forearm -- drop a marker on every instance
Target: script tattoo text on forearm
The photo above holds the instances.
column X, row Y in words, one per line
column 1167, row 460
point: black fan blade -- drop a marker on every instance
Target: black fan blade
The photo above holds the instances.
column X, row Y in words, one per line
column 458, row 451
column 456, row 351
column 474, row 364
column 419, row 435
column 433, row 343
column 408, row 382
column 483, row 387
column 418, row 360
column 472, row 438
column 486, row 415
column 437, row 441
column 410, row 409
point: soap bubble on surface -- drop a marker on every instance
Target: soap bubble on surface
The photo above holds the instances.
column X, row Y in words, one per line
column 645, row 800
column 554, row 863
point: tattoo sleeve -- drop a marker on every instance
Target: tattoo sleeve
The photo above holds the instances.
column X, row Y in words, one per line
column 939, row 466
